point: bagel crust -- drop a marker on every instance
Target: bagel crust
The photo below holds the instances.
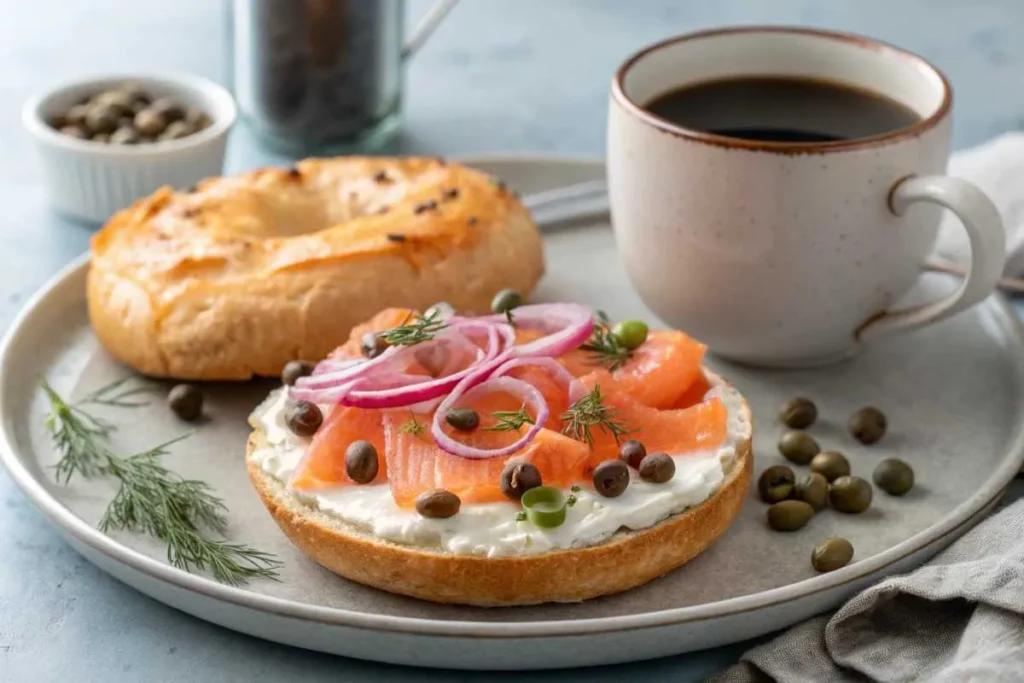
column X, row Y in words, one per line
column 248, row 272
column 626, row 560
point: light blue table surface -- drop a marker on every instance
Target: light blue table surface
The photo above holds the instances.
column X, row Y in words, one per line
column 499, row 75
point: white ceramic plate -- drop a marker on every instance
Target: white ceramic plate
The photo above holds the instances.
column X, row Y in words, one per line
column 953, row 393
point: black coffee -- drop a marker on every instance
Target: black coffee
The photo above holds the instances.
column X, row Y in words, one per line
column 781, row 110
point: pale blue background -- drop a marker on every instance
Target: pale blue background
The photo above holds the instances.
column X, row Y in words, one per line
column 499, row 75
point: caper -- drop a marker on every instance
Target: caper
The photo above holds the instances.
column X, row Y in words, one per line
column 102, row 119
column 830, row 464
column 294, row 369
column 439, row 504
column 789, row 515
column 119, row 100
column 798, row 447
column 893, row 476
column 176, row 130
column 124, row 136
column 611, row 478
column 101, row 137
column 630, row 333
column 813, row 490
column 776, row 483
column 868, row 425
column 361, row 462
column 463, row 419
column 632, row 452
column 831, row 554
column 373, row 344
column 657, row 468
column 303, row 418
column 186, row 401
column 76, row 114
column 519, row 477
column 196, row 118
column 798, row 413
column 136, row 91
column 75, row 131
column 168, row 108
column 505, row 300
column 850, row 494
column 150, row 122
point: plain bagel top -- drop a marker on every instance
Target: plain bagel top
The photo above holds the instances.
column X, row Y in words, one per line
column 245, row 273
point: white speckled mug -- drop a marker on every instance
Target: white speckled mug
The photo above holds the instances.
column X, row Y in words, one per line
column 781, row 253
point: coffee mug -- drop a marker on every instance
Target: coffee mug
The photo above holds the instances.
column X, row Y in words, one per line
column 789, row 253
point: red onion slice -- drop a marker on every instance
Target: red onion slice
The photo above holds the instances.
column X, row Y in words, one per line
column 470, row 388
column 568, row 326
column 573, row 387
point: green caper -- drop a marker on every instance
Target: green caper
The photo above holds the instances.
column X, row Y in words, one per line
column 101, row 137
column 186, row 401
column 798, row 447
column 789, row 515
column 124, row 136
column 831, row 554
column 813, row 490
column 75, row 116
column 505, row 300
column 776, row 483
column 303, row 418
column 657, row 468
column 798, row 413
column 120, row 100
column 630, row 333
column 150, row 123
column 868, row 425
column 893, row 476
column 439, row 504
column 176, row 130
column 850, row 494
column 830, row 464
column 463, row 419
column 102, row 119
column 168, row 108
column 294, row 369
column 75, row 132
column 361, row 462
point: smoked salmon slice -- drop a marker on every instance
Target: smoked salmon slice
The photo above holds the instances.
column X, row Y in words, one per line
column 323, row 466
column 657, row 374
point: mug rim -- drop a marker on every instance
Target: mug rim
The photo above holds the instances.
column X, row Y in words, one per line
column 913, row 130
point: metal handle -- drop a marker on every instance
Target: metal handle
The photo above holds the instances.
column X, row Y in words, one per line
column 428, row 23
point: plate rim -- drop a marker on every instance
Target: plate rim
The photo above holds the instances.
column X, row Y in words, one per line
column 68, row 523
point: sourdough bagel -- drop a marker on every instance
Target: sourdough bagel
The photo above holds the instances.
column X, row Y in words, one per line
column 247, row 272
column 626, row 560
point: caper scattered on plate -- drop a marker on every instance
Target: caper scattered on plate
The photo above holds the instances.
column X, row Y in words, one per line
column 630, row 333
column 789, row 515
column 362, row 463
column 868, row 425
column 519, row 477
column 850, row 494
column 303, row 418
column 893, row 476
column 632, row 453
column 776, row 484
column 831, row 554
column 186, row 401
column 128, row 115
column 295, row 369
column 506, row 300
column 439, row 504
column 798, row 447
column 611, row 478
column 657, row 468
column 813, row 490
column 798, row 413
column 373, row 344
column 463, row 419
column 830, row 464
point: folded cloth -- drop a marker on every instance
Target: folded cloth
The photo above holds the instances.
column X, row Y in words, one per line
column 958, row 618
column 997, row 167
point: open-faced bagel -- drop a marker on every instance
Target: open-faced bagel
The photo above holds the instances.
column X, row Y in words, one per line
column 247, row 272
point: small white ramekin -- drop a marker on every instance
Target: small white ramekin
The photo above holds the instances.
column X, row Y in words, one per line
column 90, row 181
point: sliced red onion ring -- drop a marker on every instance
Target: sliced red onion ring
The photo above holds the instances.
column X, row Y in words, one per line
column 573, row 387
column 470, row 388
column 568, row 326
column 333, row 378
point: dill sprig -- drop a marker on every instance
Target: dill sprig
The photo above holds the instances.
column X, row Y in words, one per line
column 603, row 346
column 509, row 420
column 416, row 329
column 151, row 499
column 590, row 411
column 413, row 427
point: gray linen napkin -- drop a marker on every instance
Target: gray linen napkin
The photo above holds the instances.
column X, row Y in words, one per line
column 958, row 618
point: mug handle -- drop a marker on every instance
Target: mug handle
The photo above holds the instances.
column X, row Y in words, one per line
column 438, row 11
column 984, row 227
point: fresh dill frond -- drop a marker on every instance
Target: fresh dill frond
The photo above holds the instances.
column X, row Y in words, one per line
column 413, row 427
column 151, row 499
column 590, row 411
column 511, row 318
column 116, row 396
column 521, row 516
column 416, row 329
column 509, row 421
column 604, row 348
